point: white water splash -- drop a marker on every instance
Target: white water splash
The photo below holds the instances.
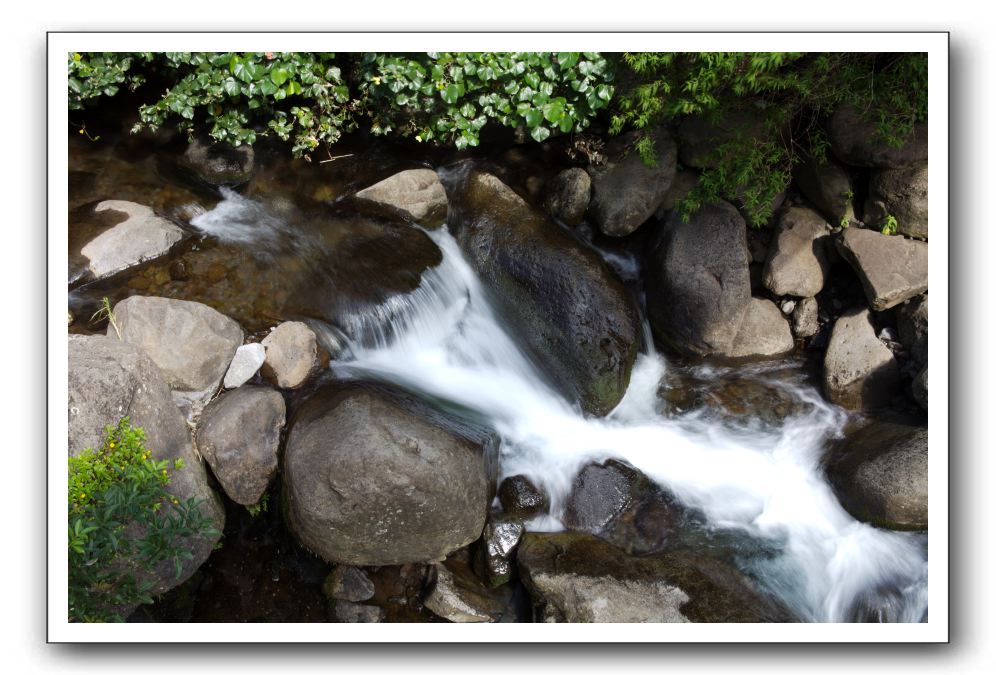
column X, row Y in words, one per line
column 445, row 340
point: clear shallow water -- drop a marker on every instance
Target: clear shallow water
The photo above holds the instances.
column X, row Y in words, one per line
column 758, row 480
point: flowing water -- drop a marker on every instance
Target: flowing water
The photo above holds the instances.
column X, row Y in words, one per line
column 755, row 480
column 446, row 341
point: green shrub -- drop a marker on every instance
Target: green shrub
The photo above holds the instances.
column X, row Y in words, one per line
column 122, row 520
column 311, row 99
column 789, row 92
column 890, row 225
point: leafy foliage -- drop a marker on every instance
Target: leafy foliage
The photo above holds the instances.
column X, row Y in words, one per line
column 890, row 225
column 307, row 99
column 122, row 519
column 449, row 97
column 786, row 93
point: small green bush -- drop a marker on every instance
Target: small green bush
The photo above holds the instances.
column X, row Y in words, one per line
column 122, row 520
column 790, row 92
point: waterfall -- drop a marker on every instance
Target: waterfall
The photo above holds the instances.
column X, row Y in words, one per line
column 757, row 481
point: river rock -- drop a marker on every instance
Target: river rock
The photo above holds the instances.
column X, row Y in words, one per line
column 417, row 195
column 348, row 583
column 110, row 379
column 292, row 355
column 191, row 343
column 352, row 612
column 625, row 192
column 858, row 370
column 495, row 556
column 520, row 498
column 764, row 333
column 247, row 361
column 620, row 504
column 683, row 183
column 912, row 326
column 697, row 280
column 141, row 236
column 855, row 140
column 700, row 135
column 879, row 473
column 370, row 483
column 239, row 436
column 455, row 594
column 891, row 268
column 218, row 163
column 572, row 312
column 901, row 193
column 829, row 187
column 806, row 318
column 575, row 577
column 920, row 388
column 567, row 196
column 797, row 261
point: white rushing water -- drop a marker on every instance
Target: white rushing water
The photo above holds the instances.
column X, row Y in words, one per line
column 759, row 481
column 445, row 340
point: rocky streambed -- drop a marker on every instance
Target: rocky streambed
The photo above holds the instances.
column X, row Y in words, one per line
column 513, row 386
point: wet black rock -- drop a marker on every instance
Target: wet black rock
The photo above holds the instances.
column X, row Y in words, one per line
column 573, row 313
column 521, row 499
column 496, row 553
column 621, row 505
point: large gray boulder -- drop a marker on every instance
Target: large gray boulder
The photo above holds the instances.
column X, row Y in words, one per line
column 573, row 313
column 191, row 343
column 110, row 379
column 625, row 192
column 797, row 261
column 239, row 436
column 567, row 196
column 858, row 370
column 620, row 504
column 292, row 355
column 901, row 193
column 575, row 577
column 218, row 163
column 829, row 187
column 855, row 139
column 417, row 195
column 141, row 236
column 370, row 483
column 891, row 268
column 697, row 280
column 764, row 333
column 879, row 473
column 912, row 324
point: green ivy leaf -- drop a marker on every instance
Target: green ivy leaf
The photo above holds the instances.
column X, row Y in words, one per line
column 540, row 134
column 279, row 75
column 450, row 93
